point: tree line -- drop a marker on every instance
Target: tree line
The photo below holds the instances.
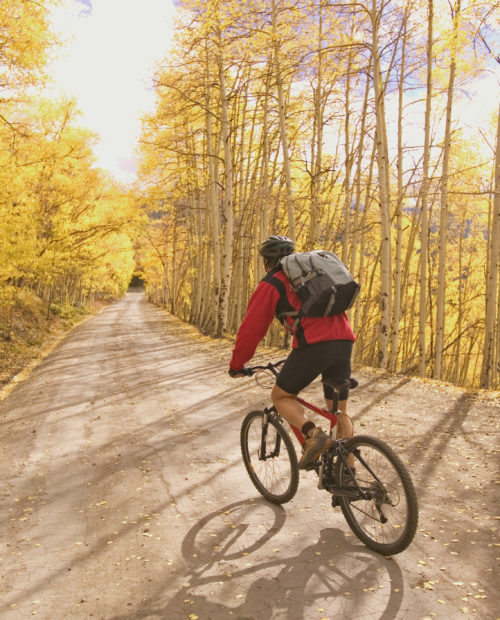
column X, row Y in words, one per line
column 65, row 227
column 334, row 123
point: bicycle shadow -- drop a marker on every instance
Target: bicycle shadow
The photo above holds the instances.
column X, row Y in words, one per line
column 243, row 577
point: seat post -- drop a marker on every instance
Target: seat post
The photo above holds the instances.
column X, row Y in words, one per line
column 337, row 388
column 335, row 404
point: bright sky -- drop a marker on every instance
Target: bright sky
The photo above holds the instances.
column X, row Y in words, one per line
column 107, row 65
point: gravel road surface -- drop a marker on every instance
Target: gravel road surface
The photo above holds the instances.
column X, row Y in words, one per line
column 123, row 495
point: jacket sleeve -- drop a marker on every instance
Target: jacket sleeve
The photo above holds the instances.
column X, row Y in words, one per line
column 253, row 328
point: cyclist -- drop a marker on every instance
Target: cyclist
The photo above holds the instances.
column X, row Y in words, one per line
column 321, row 346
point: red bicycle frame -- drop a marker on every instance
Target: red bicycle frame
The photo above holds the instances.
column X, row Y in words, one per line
column 329, row 415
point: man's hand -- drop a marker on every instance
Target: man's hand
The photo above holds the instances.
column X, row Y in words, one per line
column 243, row 372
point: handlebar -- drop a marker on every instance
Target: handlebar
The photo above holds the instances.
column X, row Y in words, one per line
column 251, row 370
column 273, row 366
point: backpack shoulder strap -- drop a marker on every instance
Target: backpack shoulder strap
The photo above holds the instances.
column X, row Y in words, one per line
column 279, row 285
column 284, row 308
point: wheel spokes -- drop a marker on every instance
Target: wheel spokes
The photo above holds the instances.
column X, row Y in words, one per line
column 383, row 516
column 274, row 473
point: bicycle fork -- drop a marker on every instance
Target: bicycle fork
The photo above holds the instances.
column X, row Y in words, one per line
column 263, row 439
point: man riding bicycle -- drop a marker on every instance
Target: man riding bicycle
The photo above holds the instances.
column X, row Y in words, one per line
column 321, row 346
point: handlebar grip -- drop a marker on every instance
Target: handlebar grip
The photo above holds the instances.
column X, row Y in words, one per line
column 243, row 371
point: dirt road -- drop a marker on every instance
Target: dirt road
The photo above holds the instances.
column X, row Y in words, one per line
column 123, row 494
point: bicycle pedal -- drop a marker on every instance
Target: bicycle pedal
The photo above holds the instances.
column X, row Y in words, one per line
column 312, row 467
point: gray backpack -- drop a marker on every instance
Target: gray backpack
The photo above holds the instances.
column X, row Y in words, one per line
column 322, row 283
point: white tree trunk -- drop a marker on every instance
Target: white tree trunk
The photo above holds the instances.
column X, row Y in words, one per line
column 212, row 200
column 396, row 311
column 490, row 371
column 384, row 197
column 282, row 117
column 424, row 219
column 443, row 218
column 227, row 248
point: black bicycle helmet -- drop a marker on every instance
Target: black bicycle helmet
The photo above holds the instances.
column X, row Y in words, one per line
column 276, row 247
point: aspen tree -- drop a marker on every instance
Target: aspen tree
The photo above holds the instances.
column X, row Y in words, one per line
column 424, row 217
column 282, row 118
column 443, row 219
column 358, row 320
column 227, row 255
column 358, row 179
column 211, row 189
column 317, row 142
column 490, row 371
column 396, row 311
column 346, row 233
column 264, row 184
column 384, row 195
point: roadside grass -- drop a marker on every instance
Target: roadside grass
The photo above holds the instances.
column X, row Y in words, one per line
column 29, row 330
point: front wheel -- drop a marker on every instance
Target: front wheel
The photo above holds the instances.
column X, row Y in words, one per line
column 269, row 456
column 386, row 518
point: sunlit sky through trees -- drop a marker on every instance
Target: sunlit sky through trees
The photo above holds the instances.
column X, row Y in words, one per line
column 107, row 63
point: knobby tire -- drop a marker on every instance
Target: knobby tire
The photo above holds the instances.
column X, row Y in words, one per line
column 276, row 478
column 395, row 496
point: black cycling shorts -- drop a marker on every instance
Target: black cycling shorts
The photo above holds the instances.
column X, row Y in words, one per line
column 331, row 360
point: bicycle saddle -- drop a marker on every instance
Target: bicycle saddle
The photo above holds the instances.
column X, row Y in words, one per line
column 350, row 384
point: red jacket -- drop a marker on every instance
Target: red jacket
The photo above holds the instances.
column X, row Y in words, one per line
column 272, row 296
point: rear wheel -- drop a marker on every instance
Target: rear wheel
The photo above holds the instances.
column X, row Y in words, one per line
column 386, row 521
column 269, row 456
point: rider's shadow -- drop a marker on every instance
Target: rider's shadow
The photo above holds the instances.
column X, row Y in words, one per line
column 331, row 574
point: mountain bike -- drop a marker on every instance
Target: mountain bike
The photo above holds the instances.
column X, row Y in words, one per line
column 376, row 496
